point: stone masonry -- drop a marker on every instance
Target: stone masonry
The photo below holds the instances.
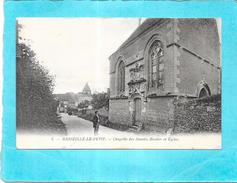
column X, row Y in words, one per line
column 191, row 56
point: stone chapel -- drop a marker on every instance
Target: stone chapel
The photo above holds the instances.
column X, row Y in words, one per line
column 163, row 59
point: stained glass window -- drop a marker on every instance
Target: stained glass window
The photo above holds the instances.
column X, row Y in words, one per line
column 121, row 77
column 156, row 65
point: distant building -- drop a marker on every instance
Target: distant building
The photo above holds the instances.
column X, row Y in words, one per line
column 71, row 99
column 163, row 59
column 85, row 94
column 86, row 89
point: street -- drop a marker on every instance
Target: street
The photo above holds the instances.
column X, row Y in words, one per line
column 78, row 126
column 80, row 136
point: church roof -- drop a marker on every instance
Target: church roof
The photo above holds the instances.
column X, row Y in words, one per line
column 145, row 26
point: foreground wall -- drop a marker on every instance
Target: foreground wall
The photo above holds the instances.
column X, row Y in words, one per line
column 156, row 114
column 201, row 115
column 159, row 114
column 119, row 111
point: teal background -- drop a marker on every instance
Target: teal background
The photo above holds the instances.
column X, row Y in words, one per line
column 122, row 165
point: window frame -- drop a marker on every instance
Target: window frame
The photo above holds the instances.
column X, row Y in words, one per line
column 158, row 82
column 121, row 77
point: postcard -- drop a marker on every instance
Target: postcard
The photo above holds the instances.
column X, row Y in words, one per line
column 118, row 83
column 119, row 91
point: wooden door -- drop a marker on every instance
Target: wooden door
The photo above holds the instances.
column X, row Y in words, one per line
column 137, row 103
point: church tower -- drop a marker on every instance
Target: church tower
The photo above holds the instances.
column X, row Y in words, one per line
column 86, row 89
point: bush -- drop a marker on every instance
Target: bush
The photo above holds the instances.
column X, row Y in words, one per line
column 36, row 106
column 100, row 100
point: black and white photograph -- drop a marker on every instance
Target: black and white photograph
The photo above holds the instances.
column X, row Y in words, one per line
column 118, row 83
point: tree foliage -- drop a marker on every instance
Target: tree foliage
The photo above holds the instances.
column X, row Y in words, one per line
column 36, row 106
column 70, row 97
column 100, row 100
column 83, row 104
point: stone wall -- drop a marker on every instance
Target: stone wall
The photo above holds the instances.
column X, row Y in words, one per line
column 200, row 36
column 159, row 114
column 119, row 111
column 156, row 114
column 197, row 56
column 191, row 71
column 199, row 115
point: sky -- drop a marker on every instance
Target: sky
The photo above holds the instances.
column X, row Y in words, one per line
column 76, row 50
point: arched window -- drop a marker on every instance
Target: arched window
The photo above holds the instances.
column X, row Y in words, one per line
column 121, row 77
column 205, row 91
column 156, row 63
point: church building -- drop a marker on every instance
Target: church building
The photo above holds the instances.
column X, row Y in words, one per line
column 163, row 59
column 85, row 94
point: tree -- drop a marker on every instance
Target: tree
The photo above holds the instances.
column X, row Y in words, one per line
column 36, row 105
column 83, row 104
column 100, row 100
